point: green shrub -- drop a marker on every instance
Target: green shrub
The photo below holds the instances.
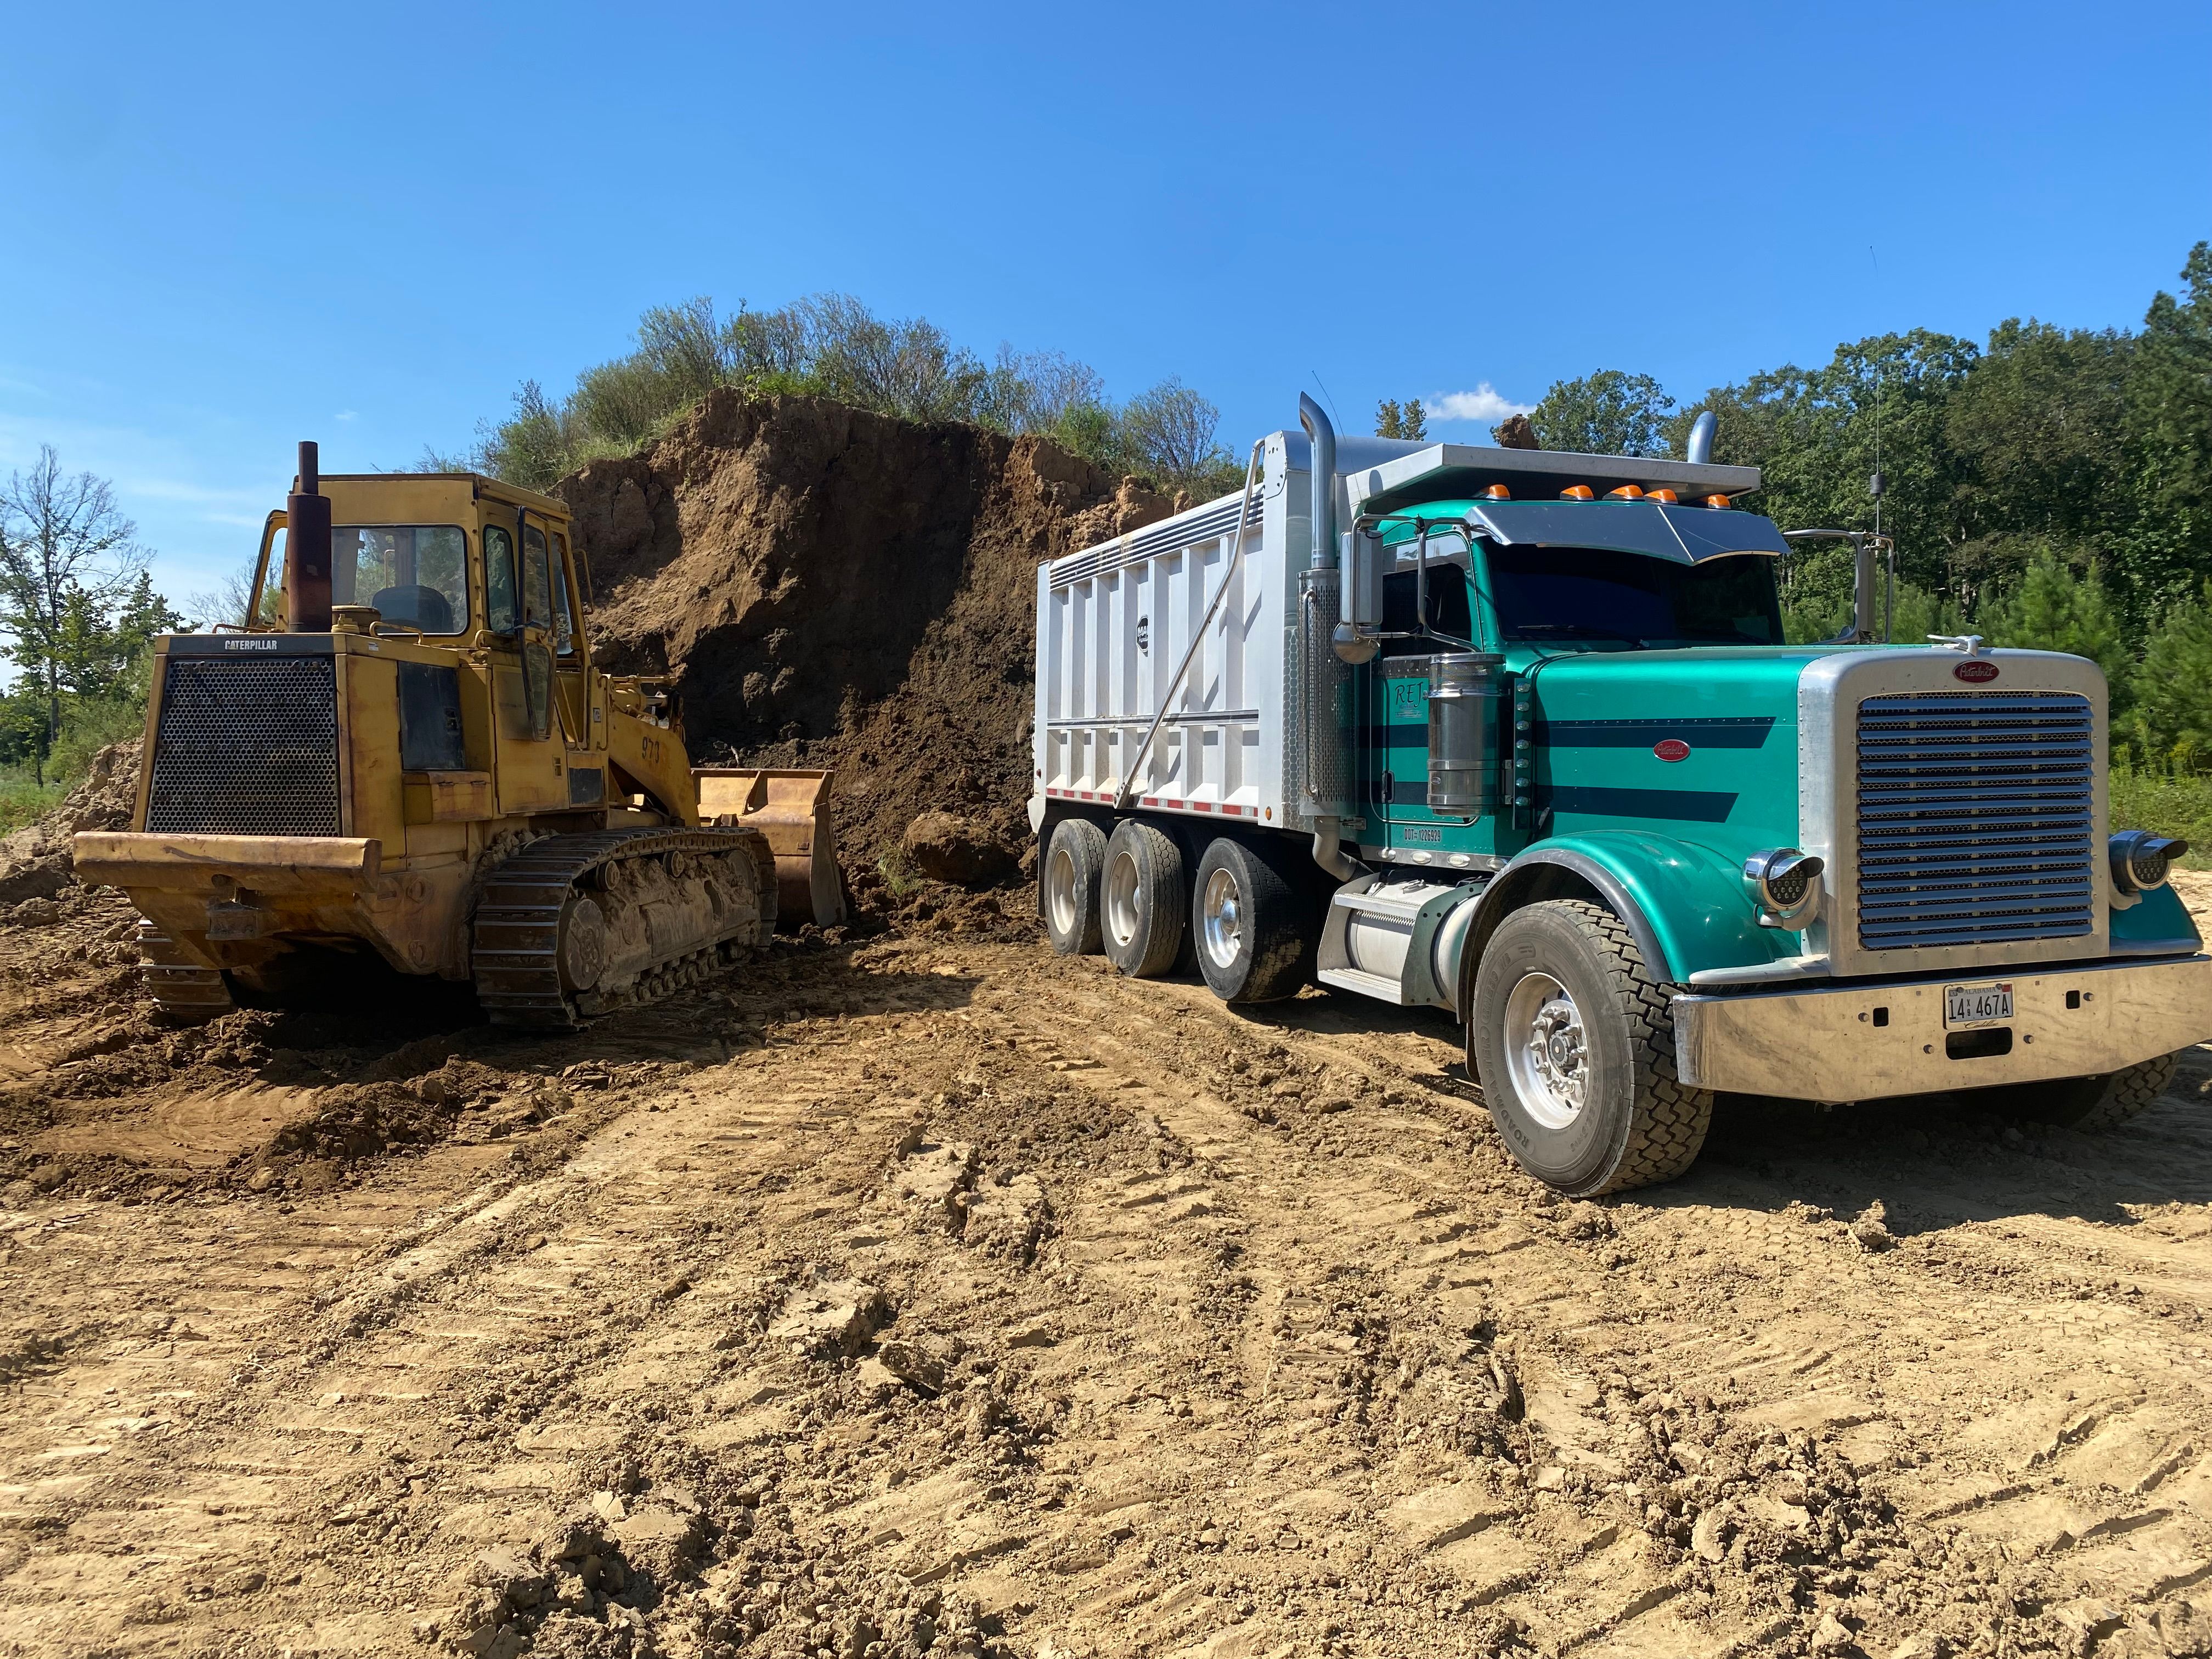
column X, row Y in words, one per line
column 2169, row 800
column 831, row 345
column 24, row 799
column 88, row 725
column 899, row 877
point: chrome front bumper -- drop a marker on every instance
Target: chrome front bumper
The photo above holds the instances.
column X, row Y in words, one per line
column 1866, row 1042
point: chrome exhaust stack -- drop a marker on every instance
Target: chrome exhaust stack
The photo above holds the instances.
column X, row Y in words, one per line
column 1325, row 782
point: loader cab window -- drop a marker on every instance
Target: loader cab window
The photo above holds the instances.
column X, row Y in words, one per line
column 564, row 627
column 414, row 574
column 266, row 605
column 1563, row 595
column 499, row 609
column 537, row 579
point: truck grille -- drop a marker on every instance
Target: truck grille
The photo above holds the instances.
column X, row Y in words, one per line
column 1975, row 817
column 247, row 748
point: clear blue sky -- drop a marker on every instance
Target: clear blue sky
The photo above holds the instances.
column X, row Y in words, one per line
column 230, row 227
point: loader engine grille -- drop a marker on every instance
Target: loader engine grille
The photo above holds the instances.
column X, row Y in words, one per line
column 1975, row 818
column 247, row 748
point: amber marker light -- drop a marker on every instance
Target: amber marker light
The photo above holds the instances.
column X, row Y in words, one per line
column 1578, row 493
column 1666, row 496
column 1716, row 500
column 1497, row 492
column 1626, row 493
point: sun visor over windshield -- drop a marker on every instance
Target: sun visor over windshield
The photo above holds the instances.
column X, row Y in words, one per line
column 1687, row 535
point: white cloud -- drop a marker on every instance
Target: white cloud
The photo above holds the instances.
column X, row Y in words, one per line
column 343, row 415
column 1485, row 404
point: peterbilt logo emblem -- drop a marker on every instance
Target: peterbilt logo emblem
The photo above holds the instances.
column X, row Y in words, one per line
column 1671, row 749
column 1976, row 672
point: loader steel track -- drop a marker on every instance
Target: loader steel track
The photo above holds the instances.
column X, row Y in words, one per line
column 517, row 929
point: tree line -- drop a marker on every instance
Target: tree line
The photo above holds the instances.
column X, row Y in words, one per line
column 79, row 610
column 2048, row 488
column 832, row 345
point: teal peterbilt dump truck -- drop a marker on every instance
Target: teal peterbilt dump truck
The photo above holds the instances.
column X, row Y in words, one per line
column 1516, row 734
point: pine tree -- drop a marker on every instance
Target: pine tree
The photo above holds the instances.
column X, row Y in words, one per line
column 2173, row 718
column 2055, row 608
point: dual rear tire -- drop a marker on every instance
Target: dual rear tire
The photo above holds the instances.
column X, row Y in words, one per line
column 1132, row 897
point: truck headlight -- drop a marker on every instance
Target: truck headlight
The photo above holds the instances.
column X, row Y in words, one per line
column 1785, row 885
column 2141, row 860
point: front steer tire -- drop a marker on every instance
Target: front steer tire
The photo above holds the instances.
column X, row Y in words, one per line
column 1628, row 1121
column 2085, row 1104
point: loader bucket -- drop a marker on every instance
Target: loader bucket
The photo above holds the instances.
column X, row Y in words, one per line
column 792, row 808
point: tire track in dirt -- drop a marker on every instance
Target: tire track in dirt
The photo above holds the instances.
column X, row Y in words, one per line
column 991, row 1298
column 2071, row 1398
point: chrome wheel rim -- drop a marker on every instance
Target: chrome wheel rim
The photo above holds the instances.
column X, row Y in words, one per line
column 1547, row 1050
column 1121, row 911
column 1060, row 905
column 1221, row 919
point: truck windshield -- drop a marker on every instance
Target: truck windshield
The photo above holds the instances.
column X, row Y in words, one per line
column 1563, row 593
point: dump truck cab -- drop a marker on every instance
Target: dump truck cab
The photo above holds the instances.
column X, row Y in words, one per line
column 409, row 705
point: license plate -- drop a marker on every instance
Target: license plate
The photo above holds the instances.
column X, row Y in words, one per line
column 1977, row 1005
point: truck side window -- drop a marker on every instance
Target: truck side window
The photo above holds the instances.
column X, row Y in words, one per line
column 537, row 580
column 498, row 579
column 564, row 629
column 1448, row 610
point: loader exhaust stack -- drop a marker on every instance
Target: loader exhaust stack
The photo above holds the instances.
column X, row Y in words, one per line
column 308, row 550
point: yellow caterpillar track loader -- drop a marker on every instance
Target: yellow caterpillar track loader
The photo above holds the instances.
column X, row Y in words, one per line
column 405, row 750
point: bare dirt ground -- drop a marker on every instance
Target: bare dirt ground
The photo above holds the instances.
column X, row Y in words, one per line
column 929, row 1293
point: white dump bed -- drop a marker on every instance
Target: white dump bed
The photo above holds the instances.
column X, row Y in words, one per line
column 1115, row 621
column 1114, row 624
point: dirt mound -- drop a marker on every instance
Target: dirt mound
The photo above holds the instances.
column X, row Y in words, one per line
column 34, row 861
column 830, row 588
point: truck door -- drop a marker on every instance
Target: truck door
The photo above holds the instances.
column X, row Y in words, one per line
column 1398, row 731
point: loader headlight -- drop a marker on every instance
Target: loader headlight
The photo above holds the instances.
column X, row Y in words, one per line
column 2141, row 860
column 1785, row 884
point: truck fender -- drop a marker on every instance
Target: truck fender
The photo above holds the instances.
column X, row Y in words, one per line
column 1683, row 904
column 1550, row 872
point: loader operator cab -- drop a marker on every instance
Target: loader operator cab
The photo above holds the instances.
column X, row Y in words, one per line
column 421, row 577
column 451, row 560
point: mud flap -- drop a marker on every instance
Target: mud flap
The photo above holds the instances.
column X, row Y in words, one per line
column 792, row 808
